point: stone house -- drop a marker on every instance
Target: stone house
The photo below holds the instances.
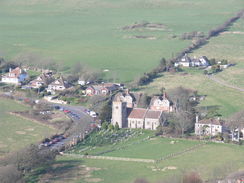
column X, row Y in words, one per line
column 210, row 126
column 161, row 103
column 15, row 76
column 101, row 89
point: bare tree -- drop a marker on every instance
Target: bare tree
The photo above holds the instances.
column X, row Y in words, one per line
column 236, row 122
column 10, row 174
column 183, row 121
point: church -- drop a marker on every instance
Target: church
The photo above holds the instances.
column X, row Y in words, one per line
column 127, row 114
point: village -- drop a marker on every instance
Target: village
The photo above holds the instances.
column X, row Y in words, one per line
column 130, row 109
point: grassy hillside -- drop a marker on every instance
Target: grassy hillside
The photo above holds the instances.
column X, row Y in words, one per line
column 16, row 132
column 90, row 31
column 205, row 159
column 229, row 45
column 228, row 100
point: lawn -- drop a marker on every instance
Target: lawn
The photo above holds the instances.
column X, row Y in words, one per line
column 16, row 132
column 90, row 31
column 210, row 161
column 226, row 99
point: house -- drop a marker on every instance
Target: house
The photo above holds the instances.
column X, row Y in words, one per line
column 81, row 82
column 210, row 127
column 126, row 114
column 161, row 103
column 15, row 76
column 57, row 85
column 42, row 80
column 204, row 61
column 186, row 61
column 101, row 89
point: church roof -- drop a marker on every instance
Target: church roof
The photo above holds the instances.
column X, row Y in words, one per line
column 153, row 114
column 138, row 113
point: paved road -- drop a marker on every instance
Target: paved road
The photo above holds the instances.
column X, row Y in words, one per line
column 82, row 123
column 213, row 78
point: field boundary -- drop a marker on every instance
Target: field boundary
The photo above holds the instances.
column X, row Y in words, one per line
column 32, row 120
column 111, row 158
column 172, row 155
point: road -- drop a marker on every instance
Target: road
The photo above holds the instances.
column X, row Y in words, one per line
column 213, row 78
column 82, row 122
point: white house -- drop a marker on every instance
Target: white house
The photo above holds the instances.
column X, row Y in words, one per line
column 208, row 127
column 186, row 61
column 15, row 76
column 42, row 80
column 57, row 85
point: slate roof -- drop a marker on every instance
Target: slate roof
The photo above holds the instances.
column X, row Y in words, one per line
column 152, row 114
column 211, row 121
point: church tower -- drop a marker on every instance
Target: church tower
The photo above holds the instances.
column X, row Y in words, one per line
column 119, row 112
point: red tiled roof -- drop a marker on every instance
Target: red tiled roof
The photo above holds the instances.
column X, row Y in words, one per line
column 138, row 113
column 15, row 73
column 152, row 114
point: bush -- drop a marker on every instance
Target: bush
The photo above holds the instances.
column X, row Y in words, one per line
column 111, row 127
column 104, row 125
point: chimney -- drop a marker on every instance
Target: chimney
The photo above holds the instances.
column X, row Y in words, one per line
column 197, row 118
column 10, row 69
column 164, row 95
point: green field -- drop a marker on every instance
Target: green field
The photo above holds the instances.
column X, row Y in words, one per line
column 90, row 31
column 209, row 160
column 226, row 99
column 229, row 45
column 16, row 132
column 138, row 145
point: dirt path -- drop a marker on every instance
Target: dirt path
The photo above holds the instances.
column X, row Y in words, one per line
column 112, row 158
column 213, row 78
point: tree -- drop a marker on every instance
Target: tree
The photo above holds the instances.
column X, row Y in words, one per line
column 192, row 177
column 183, row 121
column 236, row 122
column 141, row 181
column 106, row 112
column 159, row 130
column 116, row 127
column 181, row 98
column 212, row 61
column 10, row 174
